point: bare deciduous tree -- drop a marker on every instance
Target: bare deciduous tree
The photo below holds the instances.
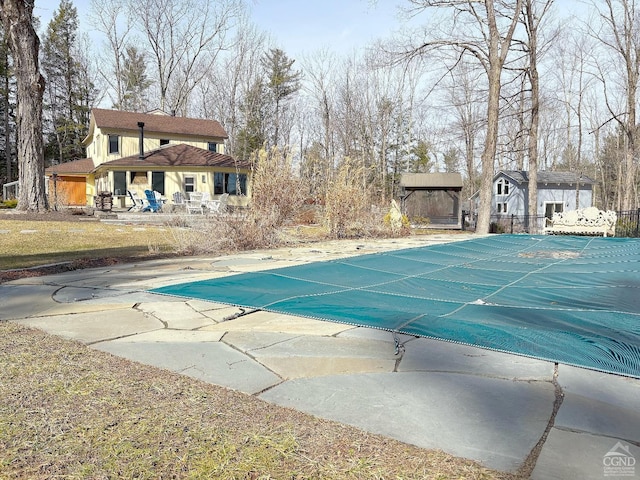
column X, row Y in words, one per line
column 494, row 24
column 224, row 89
column 321, row 88
column 185, row 38
column 112, row 18
column 464, row 95
column 534, row 12
column 620, row 33
column 17, row 16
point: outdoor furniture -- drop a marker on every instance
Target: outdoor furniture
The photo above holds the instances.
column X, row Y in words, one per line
column 587, row 221
column 194, row 204
column 178, row 198
column 178, row 202
column 138, row 203
column 155, row 204
column 219, row 205
column 161, row 200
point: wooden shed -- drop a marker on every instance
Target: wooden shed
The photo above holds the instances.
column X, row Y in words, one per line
column 433, row 196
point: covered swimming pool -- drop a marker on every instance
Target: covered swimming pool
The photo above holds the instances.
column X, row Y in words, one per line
column 566, row 299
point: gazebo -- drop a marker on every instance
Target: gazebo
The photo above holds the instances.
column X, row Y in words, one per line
column 433, row 196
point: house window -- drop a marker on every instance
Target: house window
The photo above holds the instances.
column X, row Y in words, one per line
column 114, row 143
column 157, row 182
column 502, row 207
column 502, row 187
column 553, row 207
column 231, row 183
column 236, row 184
column 119, row 183
column 218, row 183
column 164, row 141
column 212, row 146
column 189, row 184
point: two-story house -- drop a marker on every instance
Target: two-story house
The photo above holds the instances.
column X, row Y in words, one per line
column 150, row 151
column 557, row 192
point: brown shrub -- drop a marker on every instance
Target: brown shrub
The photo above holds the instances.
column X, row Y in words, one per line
column 277, row 200
column 277, row 197
column 276, row 193
column 347, row 211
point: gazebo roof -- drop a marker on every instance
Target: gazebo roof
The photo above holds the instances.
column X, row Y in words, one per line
column 431, row 181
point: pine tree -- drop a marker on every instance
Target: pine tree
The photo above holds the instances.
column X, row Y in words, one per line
column 135, row 82
column 421, row 157
column 69, row 92
column 283, row 82
column 251, row 136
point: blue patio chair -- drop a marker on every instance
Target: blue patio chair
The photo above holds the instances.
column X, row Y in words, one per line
column 155, row 205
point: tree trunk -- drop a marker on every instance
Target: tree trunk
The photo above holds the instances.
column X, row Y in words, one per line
column 6, row 106
column 498, row 47
column 631, row 128
column 24, row 43
column 490, row 146
column 532, row 22
column 533, row 137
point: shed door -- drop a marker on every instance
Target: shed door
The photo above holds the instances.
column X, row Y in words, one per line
column 68, row 191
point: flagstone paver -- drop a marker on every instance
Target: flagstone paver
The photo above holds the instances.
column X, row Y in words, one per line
column 95, row 326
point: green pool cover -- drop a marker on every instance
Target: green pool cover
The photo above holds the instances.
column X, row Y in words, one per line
column 573, row 300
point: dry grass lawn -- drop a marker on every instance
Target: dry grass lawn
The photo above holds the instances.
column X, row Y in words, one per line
column 29, row 243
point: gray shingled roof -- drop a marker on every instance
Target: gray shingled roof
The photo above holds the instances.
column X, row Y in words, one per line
column 521, row 176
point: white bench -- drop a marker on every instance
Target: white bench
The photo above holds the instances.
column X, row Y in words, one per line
column 586, row 221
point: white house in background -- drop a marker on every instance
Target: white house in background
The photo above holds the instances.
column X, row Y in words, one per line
column 557, row 192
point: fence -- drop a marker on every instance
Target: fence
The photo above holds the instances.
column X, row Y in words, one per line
column 10, row 190
column 532, row 224
column 627, row 225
